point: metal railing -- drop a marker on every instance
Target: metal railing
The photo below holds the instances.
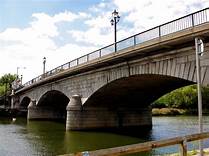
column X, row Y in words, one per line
column 147, row 146
column 182, row 23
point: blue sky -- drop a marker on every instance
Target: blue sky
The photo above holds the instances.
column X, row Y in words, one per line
column 17, row 13
column 62, row 30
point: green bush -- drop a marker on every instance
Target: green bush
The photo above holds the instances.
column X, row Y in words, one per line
column 183, row 98
column 5, row 82
column 2, row 90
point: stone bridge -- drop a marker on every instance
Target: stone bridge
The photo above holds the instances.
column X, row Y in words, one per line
column 114, row 89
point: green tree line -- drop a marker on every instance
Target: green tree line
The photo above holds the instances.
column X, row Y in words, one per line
column 5, row 83
column 183, row 98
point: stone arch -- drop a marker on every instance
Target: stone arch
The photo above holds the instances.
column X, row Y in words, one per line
column 53, row 98
column 25, row 102
column 122, row 103
column 51, row 106
column 136, row 90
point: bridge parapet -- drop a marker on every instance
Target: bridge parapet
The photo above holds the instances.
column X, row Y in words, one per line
column 178, row 25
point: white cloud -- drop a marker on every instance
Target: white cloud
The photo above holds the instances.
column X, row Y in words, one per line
column 141, row 15
column 99, row 32
column 65, row 16
column 67, row 53
column 88, row 30
column 46, row 25
column 147, row 14
column 84, row 15
column 26, row 47
column 99, row 7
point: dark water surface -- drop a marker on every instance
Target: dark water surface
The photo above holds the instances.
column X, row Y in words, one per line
column 43, row 138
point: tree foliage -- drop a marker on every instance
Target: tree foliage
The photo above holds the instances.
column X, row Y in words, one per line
column 5, row 82
column 2, row 90
column 185, row 98
column 7, row 79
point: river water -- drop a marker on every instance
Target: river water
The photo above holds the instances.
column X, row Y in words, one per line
column 43, row 138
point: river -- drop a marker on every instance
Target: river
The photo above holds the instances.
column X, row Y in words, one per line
column 44, row 138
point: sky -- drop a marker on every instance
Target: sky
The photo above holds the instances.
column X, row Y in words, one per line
column 62, row 30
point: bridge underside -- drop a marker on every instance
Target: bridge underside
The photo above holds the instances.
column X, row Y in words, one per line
column 123, row 103
column 135, row 91
column 51, row 106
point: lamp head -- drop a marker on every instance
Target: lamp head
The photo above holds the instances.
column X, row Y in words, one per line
column 44, row 59
column 115, row 13
column 115, row 17
column 201, row 47
column 112, row 22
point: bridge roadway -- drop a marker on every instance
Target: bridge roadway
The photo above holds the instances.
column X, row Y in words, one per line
column 107, row 89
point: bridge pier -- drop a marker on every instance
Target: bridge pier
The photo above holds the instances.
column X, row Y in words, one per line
column 43, row 113
column 74, row 109
column 87, row 118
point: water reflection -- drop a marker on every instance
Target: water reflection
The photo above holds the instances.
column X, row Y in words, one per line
column 93, row 140
column 53, row 139
column 168, row 127
column 46, row 136
column 50, row 138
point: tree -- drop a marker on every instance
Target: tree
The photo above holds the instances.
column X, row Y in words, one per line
column 5, row 80
column 2, row 90
column 205, row 97
column 185, row 98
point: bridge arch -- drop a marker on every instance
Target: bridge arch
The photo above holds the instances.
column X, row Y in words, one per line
column 123, row 103
column 53, row 98
column 25, row 102
column 51, row 106
column 137, row 90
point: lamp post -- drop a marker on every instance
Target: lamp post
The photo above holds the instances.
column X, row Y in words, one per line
column 21, row 79
column 115, row 19
column 199, row 52
column 44, row 65
column 18, row 71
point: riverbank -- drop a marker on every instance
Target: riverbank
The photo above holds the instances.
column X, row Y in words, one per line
column 167, row 111
column 175, row 111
